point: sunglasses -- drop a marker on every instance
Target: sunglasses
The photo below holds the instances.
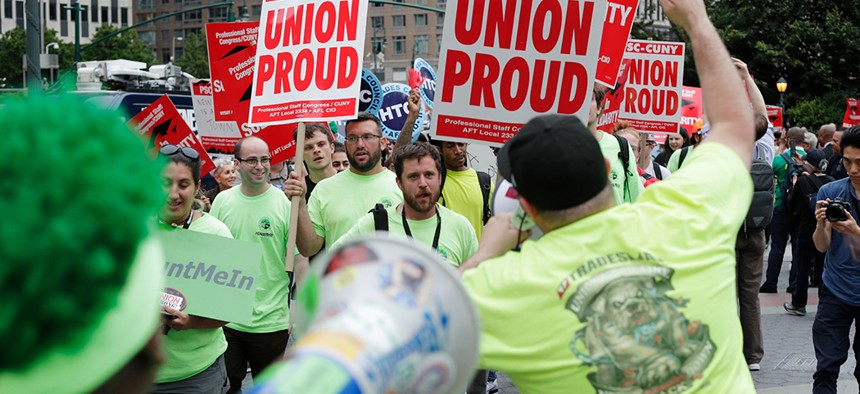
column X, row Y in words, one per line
column 170, row 150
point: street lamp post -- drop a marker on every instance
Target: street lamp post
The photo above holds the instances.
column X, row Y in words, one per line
column 47, row 52
column 173, row 49
column 781, row 86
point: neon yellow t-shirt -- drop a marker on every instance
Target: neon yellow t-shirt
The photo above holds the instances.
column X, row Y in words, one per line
column 610, row 148
column 603, row 303
column 263, row 219
column 189, row 352
column 339, row 201
column 457, row 240
column 462, row 194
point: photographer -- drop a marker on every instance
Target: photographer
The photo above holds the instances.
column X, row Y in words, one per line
column 837, row 234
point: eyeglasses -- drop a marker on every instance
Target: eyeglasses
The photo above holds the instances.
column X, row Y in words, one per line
column 170, row 150
column 367, row 138
column 254, row 161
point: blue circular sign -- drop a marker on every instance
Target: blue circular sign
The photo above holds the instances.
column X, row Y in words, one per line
column 370, row 95
column 394, row 109
column 428, row 88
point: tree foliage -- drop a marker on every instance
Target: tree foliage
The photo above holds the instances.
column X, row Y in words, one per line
column 13, row 46
column 195, row 61
column 813, row 44
column 123, row 46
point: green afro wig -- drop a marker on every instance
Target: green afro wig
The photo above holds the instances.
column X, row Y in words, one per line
column 77, row 194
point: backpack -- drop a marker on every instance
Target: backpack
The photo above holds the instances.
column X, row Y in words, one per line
column 761, row 208
column 809, row 185
column 624, row 155
column 658, row 173
column 484, row 181
column 785, row 185
column 380, row 217
column 683, row 155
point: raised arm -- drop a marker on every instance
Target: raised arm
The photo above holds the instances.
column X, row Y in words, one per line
column 724, row 99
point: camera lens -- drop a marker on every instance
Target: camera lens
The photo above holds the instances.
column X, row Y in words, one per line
column 835, row 213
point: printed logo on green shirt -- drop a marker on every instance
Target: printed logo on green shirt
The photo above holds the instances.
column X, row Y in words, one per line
column 613, row 175
column 386, row 202
column 636, row 335
column 265, row 226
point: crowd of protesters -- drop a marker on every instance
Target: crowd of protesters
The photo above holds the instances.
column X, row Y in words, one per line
column 593, row 304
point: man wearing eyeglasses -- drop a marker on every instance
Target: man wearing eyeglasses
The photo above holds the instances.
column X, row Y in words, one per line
column 338, row 202
column 647, row 163
column 258, row 212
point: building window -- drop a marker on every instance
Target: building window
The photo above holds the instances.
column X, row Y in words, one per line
column 179, row 33
column 420, row 20
column 438, row 44
column 104, row 15
column 64, row 21
column 377, row 21
column 19, row 14
column 7, row 9
column 440, row 20
column 441, row 3
column 218, row 14
column 165, row 35
column 52, row 10
column 420, row 43
column 421, row 2
column 147, row 36
column 377, row 4
column 256, row 11
column 114, row 11
column 399, row 45
column 165, row 55
column 398, row 20
column 377, row 44
column 192, row 16
column 94, row 10
column 85, row 24
column 123, row 14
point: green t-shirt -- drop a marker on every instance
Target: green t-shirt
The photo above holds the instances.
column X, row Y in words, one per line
column 630, row 299
column 610, row 148
column 780, row 168
column 462, row 194
column 263, row 219
column 191, row 351
column 339, row 201
column 457, row 241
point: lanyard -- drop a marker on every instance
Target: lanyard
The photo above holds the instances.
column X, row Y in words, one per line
column 187, row 221
column 438, row 227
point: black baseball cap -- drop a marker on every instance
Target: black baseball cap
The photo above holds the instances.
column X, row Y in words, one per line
column 554, row 162
column 817, row 159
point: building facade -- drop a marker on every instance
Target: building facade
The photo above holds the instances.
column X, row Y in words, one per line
column 166, row 37
column 57, row 15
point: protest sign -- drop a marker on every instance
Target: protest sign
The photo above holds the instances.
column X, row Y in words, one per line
column 428, row 88
column 654, row 71
column 217, row 137
column 852, row 117
column 501, row 65
column 232, row 46
column 160, row 124
column 691, row 108
column 308, row 61
column 370, row 96
column 774, row 115
column 394, row 110
column 616, row 28
column 210, row 276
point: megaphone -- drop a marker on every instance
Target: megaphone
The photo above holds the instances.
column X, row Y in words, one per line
column 506, row 199
column 379, row 315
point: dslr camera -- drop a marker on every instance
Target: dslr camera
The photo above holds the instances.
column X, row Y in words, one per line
column 836, row 211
